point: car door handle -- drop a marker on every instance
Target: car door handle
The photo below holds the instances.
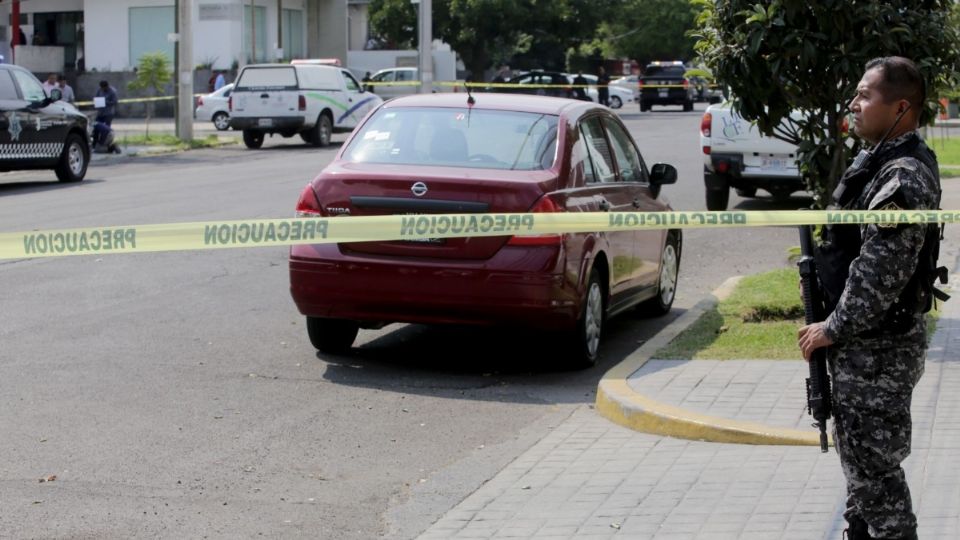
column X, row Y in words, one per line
column 264, row 96
column 604, row 205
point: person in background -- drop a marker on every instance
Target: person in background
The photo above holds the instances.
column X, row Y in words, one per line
column 580, row 87
column 219, row 82
column 106, row 113
column 50, row 83
column 603, row 93
column 365, row 81
column 66, row 92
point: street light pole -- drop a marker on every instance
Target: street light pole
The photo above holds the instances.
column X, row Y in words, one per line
column 185, row 70
column 426, row 38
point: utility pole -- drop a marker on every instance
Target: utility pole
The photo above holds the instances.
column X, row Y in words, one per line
column 185, row 70
column 426, row 54
column 15, row 29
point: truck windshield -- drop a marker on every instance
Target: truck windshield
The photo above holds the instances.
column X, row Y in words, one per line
column 447, row 137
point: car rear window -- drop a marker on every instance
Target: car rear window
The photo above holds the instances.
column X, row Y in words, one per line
column 665, row 71
column 257, row 78
column 478, row 139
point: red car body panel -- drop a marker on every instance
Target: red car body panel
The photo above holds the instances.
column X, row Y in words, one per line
column 486, row 281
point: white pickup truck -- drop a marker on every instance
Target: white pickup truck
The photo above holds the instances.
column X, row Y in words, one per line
column 736, row 155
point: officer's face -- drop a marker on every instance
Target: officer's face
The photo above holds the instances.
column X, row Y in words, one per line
column 872, row 113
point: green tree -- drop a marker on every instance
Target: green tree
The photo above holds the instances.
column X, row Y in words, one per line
column 647, row 30
column 808, row 55
column 395, row 22
column 153, row 73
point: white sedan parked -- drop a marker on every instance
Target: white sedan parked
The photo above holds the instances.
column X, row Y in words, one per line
column 214, row 107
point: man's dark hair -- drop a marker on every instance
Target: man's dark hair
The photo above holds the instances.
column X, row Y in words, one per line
column 900, row 79
column 104, row 84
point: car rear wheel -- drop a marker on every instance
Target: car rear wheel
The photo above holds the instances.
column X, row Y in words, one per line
column 331, row 335
column 221, row 121
column 586, row 338
column 74, row 159
column 615, row 102
column 667, row 282
column 644, row 107
column 252, row 138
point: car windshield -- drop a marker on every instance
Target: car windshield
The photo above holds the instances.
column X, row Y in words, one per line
column 447, row 137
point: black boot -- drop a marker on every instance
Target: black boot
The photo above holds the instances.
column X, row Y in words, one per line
column 857, row 529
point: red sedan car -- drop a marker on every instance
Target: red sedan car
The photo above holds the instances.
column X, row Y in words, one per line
column 445, row 153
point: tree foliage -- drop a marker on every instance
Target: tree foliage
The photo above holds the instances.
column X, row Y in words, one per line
column 647, row 30
column 488, row 32
column 808, row 55
column 154, row 72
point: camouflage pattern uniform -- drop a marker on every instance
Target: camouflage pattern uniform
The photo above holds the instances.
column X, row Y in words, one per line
column 875, row 369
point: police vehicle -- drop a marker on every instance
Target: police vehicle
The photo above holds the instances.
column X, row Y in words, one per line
column 39, row 131
column 666, row 83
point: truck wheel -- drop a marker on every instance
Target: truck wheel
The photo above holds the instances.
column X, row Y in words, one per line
column 585, row 340
column 252, row 138
column 717, row 199
column 667, row 284
column 644, row 107
column 747, row 192
column 331, row 335
column 322, row 131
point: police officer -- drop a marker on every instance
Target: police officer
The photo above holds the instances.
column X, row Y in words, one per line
column 877, row 280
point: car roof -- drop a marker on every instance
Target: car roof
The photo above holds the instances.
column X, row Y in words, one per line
column 494, row 101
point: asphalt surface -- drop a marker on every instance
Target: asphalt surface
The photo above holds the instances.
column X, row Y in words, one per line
column 176, row 395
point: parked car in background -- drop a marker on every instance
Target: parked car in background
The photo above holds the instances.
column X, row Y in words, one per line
column 630, row 82
column 435, row 154
column 665, row 83
column 619, row 96
column 215, row 107
column 736, row 156
column 540, row 83
column 39, row 131
column 312, row 100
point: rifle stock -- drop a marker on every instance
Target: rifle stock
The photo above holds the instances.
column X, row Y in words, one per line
column 818, row 384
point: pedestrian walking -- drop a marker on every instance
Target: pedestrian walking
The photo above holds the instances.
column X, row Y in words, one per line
column 877, row 280
column 219, row 82
column 580, row 87
column 50, row 83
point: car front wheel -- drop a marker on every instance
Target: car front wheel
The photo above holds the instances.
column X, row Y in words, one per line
column 586, row 338
column 221, row 121
column 615, row 102
column 322, row 131
column 331, row 335
column 73, row 161
column 667, row 282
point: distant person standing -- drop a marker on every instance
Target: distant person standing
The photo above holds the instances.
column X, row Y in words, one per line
column 66, row 92
column 50, row 83
column 603, row 92
column 219, row 82
column 580, row 87
column 108, row 110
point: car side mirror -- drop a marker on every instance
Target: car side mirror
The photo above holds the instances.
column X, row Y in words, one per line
column 56, row 94
column 663, row 173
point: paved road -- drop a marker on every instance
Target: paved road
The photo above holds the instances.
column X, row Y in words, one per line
column 175, row 394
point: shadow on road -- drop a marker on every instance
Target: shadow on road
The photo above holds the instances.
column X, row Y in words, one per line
column 36, row 186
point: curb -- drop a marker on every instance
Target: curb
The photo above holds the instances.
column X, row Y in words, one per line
column 619, row 403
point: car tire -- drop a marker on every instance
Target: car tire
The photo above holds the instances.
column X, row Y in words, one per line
column 307, row 136
column 252, row 138
column 74, row 159
column 747, row 192
column 615, row 102
column 221, row 121
column 667, row 281
column 331, row 335
column 322, row 132
column 687, row 106
column 589, row 329
column 644, row 107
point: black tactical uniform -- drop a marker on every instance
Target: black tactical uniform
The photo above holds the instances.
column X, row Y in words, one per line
column 879, row 285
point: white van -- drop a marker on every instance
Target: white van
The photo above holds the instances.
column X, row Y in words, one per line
column 313, row 101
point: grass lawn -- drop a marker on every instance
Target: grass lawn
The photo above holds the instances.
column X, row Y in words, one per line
column 168, row 140
column 759, row 320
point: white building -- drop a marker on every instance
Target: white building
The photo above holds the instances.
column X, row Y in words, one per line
column 110, row 35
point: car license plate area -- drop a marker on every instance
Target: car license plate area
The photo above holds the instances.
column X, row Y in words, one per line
column 265, row 122
column 773, row 163
column 663, row 92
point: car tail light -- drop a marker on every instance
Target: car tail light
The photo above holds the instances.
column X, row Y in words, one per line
column 307, row 205
column 230, row 104
column 722, row 166
column 200, row 101
column 302, row 103
column 544, row 205
column 705, row 124
column 686, row 84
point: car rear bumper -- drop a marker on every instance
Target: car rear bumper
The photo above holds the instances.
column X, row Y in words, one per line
column 268, row 123
column 521, row 286
column 675, row 96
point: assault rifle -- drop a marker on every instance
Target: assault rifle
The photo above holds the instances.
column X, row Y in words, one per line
column 818, row 384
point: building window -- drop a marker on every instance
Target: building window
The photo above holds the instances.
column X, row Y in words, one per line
column 149, row 28
column 292, row 27
column 260, row 23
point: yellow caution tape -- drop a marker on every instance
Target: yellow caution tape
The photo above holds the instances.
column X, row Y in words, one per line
column 286, row 232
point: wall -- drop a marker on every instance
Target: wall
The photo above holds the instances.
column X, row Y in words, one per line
column 327, row 29
column 40, row 59
column 33, row 6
